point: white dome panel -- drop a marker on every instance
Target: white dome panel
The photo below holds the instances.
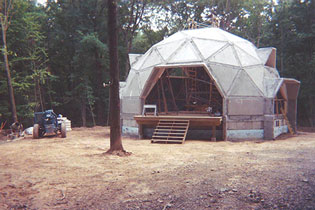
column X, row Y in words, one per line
column 186, row 53
column 248, row 47
column 175, row 37
column 243, row 86
column 153, row 59
column 230, row 37
column 208, row 47
column 138, row 64
column 143, row 77
column 257, row 75
column 271, row 72
column 132, row 88
column 245, row 58
column 271, row 85
column 206, row 33
column 225, row 56
column 166, row 50
column 224, row 75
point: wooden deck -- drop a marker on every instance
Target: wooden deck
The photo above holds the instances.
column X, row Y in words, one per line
column 195, row 121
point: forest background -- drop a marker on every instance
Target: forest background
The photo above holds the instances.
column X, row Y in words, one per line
column 58, row 52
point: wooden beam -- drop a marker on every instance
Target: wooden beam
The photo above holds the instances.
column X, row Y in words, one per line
column 171, row 90
column 210, row 94
column 177, row 77
column 159, row 96
column 213, row 138
column 163, row 94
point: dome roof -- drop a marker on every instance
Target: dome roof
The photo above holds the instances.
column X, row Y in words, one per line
column 233, row 62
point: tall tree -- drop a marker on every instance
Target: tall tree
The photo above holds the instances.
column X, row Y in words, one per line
column 5, row 17
column 115, row 131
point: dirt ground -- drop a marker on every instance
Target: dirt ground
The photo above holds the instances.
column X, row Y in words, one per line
column 73, row 173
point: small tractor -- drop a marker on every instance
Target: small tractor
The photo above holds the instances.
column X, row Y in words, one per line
column 47, row 123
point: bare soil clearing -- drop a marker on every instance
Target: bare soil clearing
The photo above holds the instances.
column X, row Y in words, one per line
column 74, row 173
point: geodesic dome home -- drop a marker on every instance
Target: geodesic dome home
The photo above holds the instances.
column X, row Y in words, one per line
column 210, row 73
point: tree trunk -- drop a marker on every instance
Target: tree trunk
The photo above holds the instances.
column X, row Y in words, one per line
column 83, row 112
column 115, row 131
column 7, row 70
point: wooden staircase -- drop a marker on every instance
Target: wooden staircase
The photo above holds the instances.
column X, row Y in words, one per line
column 170, row 130
column 287, row 121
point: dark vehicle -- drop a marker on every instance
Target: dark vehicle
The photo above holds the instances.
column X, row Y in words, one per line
column 47, row 123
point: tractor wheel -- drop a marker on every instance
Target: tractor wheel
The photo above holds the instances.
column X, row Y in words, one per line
column 36, row 131
column 63, row 130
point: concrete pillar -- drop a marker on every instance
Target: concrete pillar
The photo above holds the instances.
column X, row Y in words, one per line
column 224, row 127
column 269, row 127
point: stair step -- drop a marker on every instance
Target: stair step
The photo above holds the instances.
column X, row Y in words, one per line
column 169, row 134
column 169, row 130
column 174, row 121
column 163, row 140
column 181, row 123
column 168, row 137
column 174, row 126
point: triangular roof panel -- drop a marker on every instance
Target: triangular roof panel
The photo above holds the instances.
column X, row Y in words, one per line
column 138, row 64
column 187, row 53
column 224, row 75
column 248, row 47
column 208, row 47
column 271, row 86
column 153, row 59
column 264, row 53
column 175, row 37
column 166, row 50
column 243, row 86
column 257, row 75
column 245, row 58
column 225, row 56
column 206, row 33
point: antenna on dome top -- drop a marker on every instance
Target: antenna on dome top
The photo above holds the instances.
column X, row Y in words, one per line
column 192, row 24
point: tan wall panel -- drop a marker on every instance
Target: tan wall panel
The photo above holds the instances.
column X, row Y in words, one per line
column 244, row 106
column 131, row 105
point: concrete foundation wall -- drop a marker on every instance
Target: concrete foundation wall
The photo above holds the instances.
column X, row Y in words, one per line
column 130, row 131
column 249, row 125
column 280, row 130
column 245, row 134
column 245, row 127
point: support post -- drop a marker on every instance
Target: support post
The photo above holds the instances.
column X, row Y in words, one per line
column 213, row 138
column 164, row 98
column 140, row 131
column 171, row 90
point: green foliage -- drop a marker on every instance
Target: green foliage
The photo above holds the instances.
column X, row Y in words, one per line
column 27, row 58
column 59, row 57
column 91, row 55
